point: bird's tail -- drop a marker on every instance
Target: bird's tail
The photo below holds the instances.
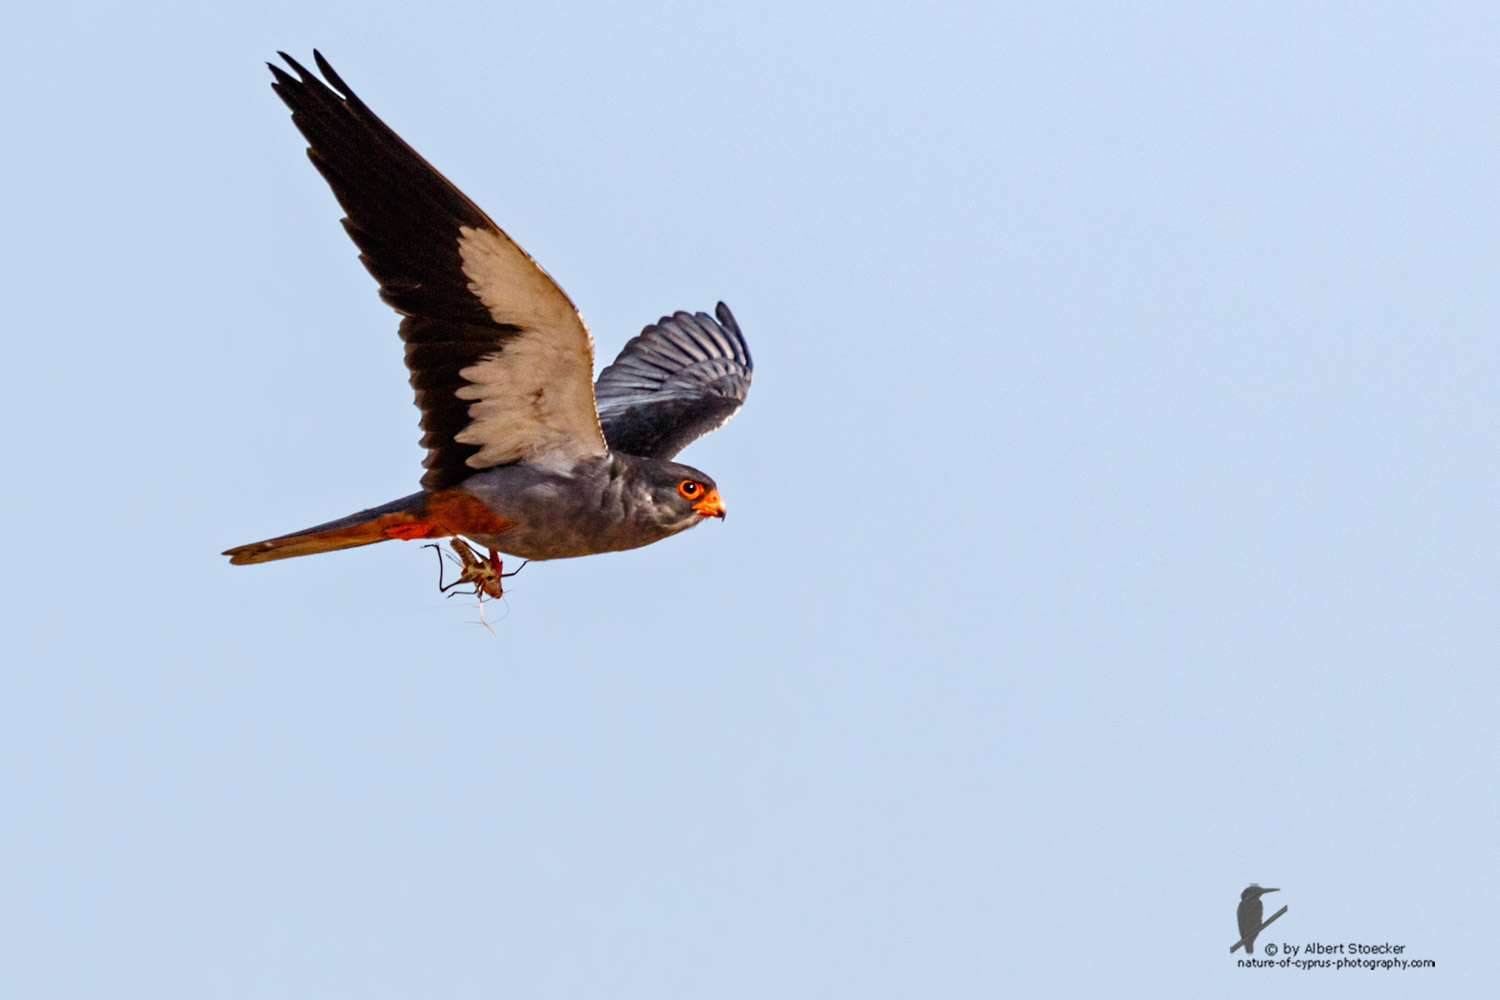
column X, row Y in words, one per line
column 421, row 515
column 1250, row 947
column 397, row 519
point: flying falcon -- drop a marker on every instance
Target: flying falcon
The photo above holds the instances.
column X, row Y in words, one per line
column 526, row 454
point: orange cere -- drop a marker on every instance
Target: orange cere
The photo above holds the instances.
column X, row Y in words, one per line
column 711, row 505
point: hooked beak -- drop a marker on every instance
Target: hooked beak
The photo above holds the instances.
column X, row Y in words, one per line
column 711, row 505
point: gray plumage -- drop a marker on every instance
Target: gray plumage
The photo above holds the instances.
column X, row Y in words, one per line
column 673, row 383
column 597, row 505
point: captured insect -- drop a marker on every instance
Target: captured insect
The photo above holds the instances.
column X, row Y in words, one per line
column 485, row 574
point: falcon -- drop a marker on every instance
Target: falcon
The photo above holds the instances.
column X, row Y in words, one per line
column 527, row 455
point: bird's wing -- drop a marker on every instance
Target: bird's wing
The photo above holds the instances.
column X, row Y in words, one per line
column 679, row 379
column 500, row 359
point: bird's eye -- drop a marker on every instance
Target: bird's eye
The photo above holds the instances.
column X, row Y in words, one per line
column 689, row 489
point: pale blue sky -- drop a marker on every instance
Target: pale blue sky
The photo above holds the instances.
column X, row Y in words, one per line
column 1113, row 518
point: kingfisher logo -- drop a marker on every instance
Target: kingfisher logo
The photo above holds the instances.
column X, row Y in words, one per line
column 1249, row 914
column 1280, row 953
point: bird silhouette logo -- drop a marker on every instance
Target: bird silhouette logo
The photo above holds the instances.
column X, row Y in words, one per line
column 1249, row 915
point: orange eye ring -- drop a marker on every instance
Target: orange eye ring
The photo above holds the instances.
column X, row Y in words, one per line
column 690, row 489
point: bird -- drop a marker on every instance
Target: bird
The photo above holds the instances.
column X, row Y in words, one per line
column 1249, row 913
column 526, row 454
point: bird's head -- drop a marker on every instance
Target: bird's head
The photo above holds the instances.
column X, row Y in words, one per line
column 1253, row 891
column 681, row 496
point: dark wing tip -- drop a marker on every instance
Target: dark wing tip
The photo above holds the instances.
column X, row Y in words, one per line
column 727, row 321
column 334, row 80
column 297, row 67
column 307, row 78
column 726, row 318
column 282, row 77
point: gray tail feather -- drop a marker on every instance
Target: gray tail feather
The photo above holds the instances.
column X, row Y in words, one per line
column 364, row 528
